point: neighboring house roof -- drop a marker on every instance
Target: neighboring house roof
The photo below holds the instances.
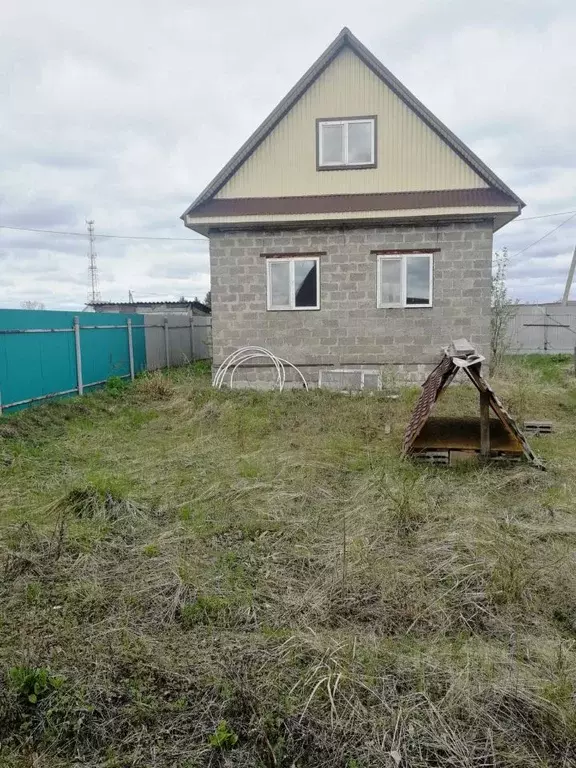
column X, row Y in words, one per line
column 201, row 206
column 194, row 304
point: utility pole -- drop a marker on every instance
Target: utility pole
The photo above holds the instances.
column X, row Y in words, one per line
column 130, row 297
column 94, row 293
column 569, row 279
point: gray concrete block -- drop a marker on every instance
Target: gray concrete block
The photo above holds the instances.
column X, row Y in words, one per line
column 349, row 327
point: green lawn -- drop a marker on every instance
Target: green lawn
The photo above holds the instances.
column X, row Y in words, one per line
column 201, row 578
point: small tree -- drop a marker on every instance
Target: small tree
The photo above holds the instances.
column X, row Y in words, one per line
column 208, row 299
column 503, row 311
column 30, row 304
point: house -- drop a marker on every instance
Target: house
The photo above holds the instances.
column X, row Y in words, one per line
column 353, row 230
column 156, row 307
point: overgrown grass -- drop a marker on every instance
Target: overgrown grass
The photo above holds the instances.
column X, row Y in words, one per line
column 552, row 368
column 201, row 578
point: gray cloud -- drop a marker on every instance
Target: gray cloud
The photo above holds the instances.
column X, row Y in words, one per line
column 124, row 114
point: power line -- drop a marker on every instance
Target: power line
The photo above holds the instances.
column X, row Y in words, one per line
column 117, row 237
column 544, row 216
column 545, row 236
column 203, row 240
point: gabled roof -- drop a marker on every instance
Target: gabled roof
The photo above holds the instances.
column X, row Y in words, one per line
column 347, row 39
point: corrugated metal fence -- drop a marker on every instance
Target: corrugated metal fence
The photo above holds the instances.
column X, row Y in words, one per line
column 176, row 339
column 44, row 353
column 544, row 329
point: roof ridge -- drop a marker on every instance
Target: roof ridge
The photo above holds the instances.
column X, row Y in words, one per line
column 346, row 38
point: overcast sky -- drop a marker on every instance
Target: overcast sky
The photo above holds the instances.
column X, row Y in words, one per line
column 123, row 110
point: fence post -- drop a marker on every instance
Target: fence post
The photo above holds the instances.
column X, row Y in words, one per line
column 166, row 342
column 0, row 403
column 78, row 356
column 130, row 347
column 192, row 352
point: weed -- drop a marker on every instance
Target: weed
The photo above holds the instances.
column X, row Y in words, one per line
column 405, row 500
column 206, row 609
column 155, row 386
column 116, row 386
column 32, row 684
column 201, row 368
column 223, row 737
column 92, row 502
column 33, row 592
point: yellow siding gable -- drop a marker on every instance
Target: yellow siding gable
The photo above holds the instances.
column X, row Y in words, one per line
column 411, row 156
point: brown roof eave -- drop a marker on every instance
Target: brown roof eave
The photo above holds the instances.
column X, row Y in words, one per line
column 383, row 201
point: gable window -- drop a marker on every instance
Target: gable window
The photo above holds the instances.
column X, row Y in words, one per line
column 348, row 143
column 405, row 280
column 293, row 282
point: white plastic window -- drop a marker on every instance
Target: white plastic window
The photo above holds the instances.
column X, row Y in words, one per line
column 346, row 142
column 405, row 280
column 294, row 283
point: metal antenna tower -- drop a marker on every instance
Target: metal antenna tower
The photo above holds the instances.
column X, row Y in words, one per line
column 94, row 293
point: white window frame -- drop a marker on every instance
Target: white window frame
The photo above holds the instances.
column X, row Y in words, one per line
column 403, row 258
column 344, row 163
column 291, row 260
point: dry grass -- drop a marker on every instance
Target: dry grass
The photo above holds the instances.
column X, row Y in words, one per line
column 195, row 578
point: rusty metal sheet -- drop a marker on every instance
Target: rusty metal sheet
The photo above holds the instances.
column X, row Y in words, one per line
column 431, row 390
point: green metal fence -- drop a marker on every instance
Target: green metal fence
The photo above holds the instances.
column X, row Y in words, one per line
column 44, row 354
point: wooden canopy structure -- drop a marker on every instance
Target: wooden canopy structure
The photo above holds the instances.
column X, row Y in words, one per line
column 446, row 440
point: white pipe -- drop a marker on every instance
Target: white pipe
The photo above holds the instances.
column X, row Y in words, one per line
column 239, row 353
column 298, row 371
column 247, row 357
column 242, row 355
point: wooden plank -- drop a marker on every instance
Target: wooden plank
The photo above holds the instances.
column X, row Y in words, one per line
column 508, row 422
column 485, row 424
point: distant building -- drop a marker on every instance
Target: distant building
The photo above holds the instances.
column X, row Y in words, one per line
column 159, row 307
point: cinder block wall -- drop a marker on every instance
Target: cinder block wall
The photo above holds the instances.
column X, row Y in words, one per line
column 349, row 330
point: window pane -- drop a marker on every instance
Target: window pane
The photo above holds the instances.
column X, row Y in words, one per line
column 360, row 144
column 331, row 144
column 390, row 281
column 279, row 283
column 417, row 280
column 306, row 284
